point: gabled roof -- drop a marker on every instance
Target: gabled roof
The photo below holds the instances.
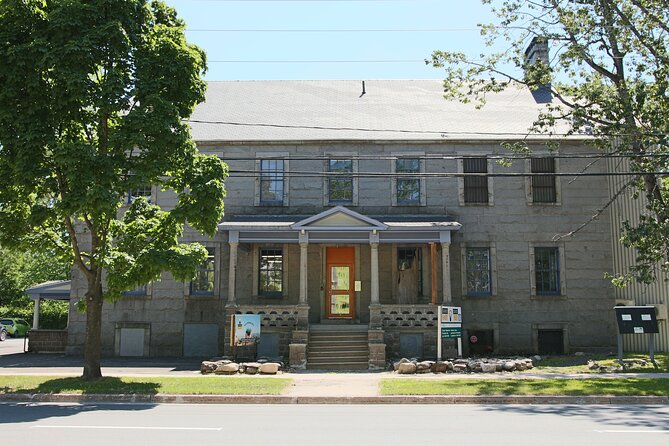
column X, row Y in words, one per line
column 53, row 290
column 389, row 110
column 339, row 217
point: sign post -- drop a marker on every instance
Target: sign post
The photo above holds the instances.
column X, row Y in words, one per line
column 637, row 320
column 450, row 327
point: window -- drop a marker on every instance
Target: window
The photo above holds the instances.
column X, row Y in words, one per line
column 203, row 284
column 407, row 188
column 409, row 259
column 475, row 187
column 270, row 283
column 139, row 291
column 271, row 181
column 478, row 271
column 544, row 188
column 547, row 271
column 340, row 186
column 141, row 191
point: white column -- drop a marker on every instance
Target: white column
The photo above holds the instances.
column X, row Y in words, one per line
column 303, row 272
column 232, row 274
column 36, row 314
column 375, row 273
column 446, row 272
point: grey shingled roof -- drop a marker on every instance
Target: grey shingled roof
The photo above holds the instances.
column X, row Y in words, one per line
column 336, row 110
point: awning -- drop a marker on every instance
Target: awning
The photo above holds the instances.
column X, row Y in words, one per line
column 54, row 290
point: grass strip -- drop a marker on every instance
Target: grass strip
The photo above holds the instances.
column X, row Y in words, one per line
column 579, row 364
column 206, row 385
column 589, row 386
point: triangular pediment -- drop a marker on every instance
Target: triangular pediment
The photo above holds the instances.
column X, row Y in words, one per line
column 339, row 218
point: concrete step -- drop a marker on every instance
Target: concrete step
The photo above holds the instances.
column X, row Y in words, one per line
column 338, row 338
column 350, row 365
column 338, row 348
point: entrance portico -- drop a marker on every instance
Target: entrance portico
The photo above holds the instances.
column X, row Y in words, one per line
column 345, row 269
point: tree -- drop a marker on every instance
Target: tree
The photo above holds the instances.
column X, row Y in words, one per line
column 92, row 106
column 609, row 78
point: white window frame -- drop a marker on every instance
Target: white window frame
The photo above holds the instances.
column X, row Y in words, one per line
column 353, row 156
column 256, row 270
column 217, row 274
column 393, row 184
column 284, row 156
column 493, row 269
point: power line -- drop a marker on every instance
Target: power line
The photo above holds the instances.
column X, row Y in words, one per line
column 437, row 157
column 315, row 174
column 429, row 132
column 331, row 30
column 318, row 61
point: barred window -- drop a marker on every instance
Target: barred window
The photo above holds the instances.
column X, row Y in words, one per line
column 543, row 186
column 478, row 271
column 270, row 283
column 547, row 271
column 271, row 181
column 203, row 284
column 408, row 188
column 476, row 187
column 340, row 186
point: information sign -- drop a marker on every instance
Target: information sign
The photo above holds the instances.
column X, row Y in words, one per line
column 246, row 329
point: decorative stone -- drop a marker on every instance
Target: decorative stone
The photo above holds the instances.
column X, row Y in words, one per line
column 208, row 367
column 424, row 366
column 488, row 367
column 406, row 368
column 442, row 367
column 401, row 361
column 230, row 368
column 529, row 364
column 460, row 367
column 520, row 365
column 499, row 366
column 475, row 366
column 251, row 368
column 269, row 368
column 592, row 365
column 509, row 366
column 536, row 358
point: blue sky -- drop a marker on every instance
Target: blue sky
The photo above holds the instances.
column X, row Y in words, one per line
column 245, row 31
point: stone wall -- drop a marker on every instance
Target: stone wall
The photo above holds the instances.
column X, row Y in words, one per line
column 47, row 341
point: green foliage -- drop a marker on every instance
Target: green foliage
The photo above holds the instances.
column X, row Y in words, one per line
column 609, row 76
column 93, row 104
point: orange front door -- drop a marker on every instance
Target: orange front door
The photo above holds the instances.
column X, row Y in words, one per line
column 339, row 275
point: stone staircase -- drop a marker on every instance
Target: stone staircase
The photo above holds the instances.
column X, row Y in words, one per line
column 338, row 347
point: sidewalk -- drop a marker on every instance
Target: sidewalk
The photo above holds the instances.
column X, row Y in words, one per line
column 308, row 387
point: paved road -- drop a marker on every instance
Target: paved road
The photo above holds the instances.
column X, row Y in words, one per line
column 11, row 346
column 295, row 425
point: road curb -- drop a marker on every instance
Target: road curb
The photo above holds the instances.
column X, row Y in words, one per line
column 282, row 399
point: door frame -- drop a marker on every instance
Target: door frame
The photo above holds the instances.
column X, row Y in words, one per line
column 349, row 261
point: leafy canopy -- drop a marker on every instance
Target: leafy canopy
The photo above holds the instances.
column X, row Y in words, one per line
column 92, row 105
column 609, row 76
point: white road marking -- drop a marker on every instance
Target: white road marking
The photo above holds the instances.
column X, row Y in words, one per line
column 156, row 428
column 633, row 432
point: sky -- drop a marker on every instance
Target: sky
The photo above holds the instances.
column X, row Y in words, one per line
column 314, row 39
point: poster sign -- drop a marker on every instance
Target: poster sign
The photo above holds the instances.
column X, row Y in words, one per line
column 451, row 314
column 450, row 330
column 246, row 329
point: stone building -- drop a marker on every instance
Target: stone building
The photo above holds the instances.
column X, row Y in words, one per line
column 355, row 209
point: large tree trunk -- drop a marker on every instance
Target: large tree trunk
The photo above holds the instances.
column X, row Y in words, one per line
column 92, row 369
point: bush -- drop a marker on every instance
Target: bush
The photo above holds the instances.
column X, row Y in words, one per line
column 53, row 314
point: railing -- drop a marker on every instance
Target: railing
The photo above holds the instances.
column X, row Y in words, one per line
column 389, row 316
column 290, row 316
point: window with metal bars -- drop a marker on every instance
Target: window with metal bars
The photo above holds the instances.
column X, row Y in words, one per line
column 547, row 270
column 271, row 181
column 407, row 188
column 476, row 187
column 340, row 186
column 270, row 283
column 543, row 186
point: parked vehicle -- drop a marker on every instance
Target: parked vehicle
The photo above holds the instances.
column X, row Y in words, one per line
column 3, row 333
column 15, row 327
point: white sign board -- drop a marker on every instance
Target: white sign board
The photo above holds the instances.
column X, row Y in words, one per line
column 450, row 322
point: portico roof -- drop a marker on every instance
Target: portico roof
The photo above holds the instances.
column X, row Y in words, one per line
column 340, row 225
column 53, row 290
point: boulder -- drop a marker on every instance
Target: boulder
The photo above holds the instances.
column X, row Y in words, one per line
column 536, row 358
column 424, row 366
column 488, row 367
column 460, row 367
column 509, row 366
column 229, row 368
column 269, row 368
column 251, row 368
column 520, row 365
column 475, row 366
column 406, row 368
column 442, row 366
column 401, row 361
column 208, row 367
column 592, row 365
column 499, row 366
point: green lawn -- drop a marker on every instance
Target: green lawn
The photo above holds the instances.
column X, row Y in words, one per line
column 213, row 385
column 589, row 386
column 578, row 364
